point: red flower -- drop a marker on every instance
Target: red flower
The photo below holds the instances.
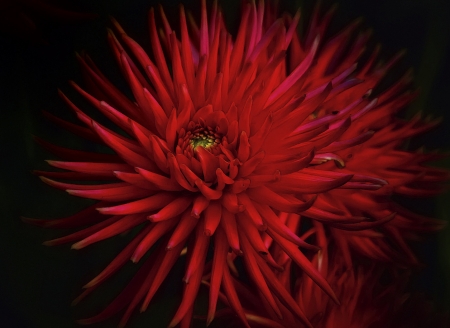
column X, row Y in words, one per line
column 223, row 143
column 371, row 295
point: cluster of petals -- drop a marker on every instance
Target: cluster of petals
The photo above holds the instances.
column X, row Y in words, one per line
column 227, row 143
column 371, row 294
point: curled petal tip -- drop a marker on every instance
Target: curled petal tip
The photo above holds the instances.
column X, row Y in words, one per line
column 88, row 285
column 77, row 246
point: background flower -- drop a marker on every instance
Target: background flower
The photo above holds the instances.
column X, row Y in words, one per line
column 47, row 94
column 371, row 294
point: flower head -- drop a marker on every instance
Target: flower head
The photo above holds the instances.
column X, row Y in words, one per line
column 227, row 142
column 371, row 295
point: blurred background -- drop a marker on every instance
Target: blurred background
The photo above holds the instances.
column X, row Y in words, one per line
column 38, row 283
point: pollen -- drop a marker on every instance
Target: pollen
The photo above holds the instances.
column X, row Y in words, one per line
column 202, row 136
column 203, row 140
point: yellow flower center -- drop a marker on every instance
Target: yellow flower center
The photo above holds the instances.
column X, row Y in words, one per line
column 204, row 138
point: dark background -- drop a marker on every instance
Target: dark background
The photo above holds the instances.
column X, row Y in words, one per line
column 38, row 283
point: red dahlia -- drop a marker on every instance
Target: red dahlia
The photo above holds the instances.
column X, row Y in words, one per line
column 227, row 142
column 372, row 295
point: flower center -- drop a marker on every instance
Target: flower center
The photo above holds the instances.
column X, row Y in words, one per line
column 199, row 135
column 200, row 139
column 203, row 137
